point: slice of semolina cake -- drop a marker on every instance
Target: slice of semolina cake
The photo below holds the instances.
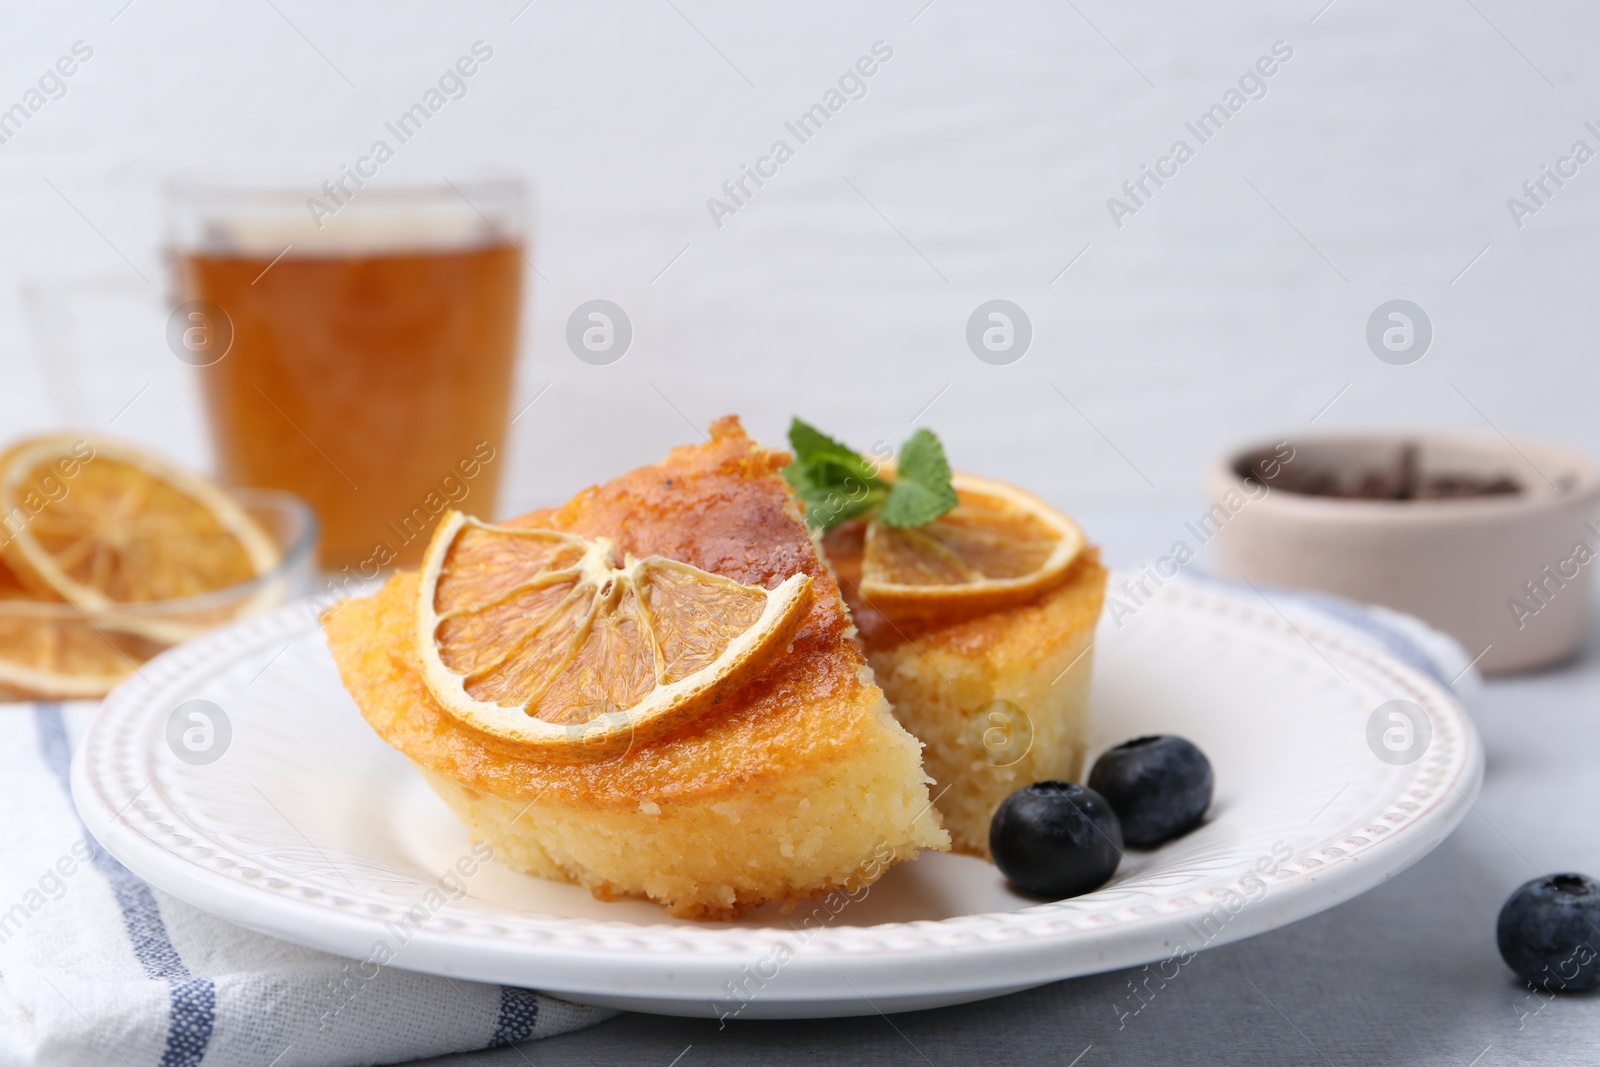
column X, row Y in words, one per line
column 999, row 698
column 799, row 783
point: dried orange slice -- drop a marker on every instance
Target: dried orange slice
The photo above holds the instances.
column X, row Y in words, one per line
column 540, row 637
column 102, row 524
column 999, row 546
column 49, row 652
column 10, row 587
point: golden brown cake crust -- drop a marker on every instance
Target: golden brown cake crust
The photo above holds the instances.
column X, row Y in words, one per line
column 721, row 506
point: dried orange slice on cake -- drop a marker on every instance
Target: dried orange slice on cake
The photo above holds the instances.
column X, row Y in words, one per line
column 103, row 525
column 999, row 546
column 544, row 639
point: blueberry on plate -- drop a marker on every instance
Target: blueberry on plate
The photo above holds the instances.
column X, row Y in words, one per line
column 1549, row 932
column 1055, row 839
column 1160, row 787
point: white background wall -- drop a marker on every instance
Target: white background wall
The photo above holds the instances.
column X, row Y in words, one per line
column 1233, row 305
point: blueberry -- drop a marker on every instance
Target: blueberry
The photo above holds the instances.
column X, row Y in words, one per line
column 1160, row 787
column 1549, row 932
column 1056, row 839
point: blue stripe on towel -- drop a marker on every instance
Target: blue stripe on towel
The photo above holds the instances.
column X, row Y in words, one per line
column 194, row 1000
column 519, row 1013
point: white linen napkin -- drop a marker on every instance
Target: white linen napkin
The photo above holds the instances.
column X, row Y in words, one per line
column 99, row 968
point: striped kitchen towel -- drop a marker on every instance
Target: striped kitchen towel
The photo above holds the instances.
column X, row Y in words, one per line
column 99, row 968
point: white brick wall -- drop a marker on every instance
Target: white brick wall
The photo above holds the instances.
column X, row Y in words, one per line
column 990, row 142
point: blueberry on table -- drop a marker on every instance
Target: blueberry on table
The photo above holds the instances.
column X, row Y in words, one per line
column 1055, row 839
column 1160, row 787
column 1549, row 932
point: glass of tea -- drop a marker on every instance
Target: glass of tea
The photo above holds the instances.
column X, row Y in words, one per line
column 355, row 346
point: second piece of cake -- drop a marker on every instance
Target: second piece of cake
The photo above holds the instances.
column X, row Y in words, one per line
column 976, row 603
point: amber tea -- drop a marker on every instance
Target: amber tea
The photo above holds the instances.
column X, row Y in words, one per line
column 370, row 364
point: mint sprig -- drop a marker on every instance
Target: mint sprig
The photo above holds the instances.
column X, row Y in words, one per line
column 922, row 490
column 838, row 483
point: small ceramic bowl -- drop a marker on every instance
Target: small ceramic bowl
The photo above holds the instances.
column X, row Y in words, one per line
column 1509, row 575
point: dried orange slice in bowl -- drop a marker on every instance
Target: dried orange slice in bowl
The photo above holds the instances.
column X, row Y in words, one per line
column 49, row 651
column 543, row 639
column 104, row 525
column 999, row 546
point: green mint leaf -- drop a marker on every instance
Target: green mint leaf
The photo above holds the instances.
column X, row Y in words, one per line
column 816, row 450
column 810, row 443
column 838, row 506
column 833, row 480
column 922, row 490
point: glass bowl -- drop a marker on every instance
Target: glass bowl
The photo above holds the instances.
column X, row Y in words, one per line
column 53, row 650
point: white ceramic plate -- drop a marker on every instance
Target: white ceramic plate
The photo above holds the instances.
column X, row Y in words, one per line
column 312, row 829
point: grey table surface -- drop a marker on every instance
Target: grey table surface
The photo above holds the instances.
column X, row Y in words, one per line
column 1405, row 974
